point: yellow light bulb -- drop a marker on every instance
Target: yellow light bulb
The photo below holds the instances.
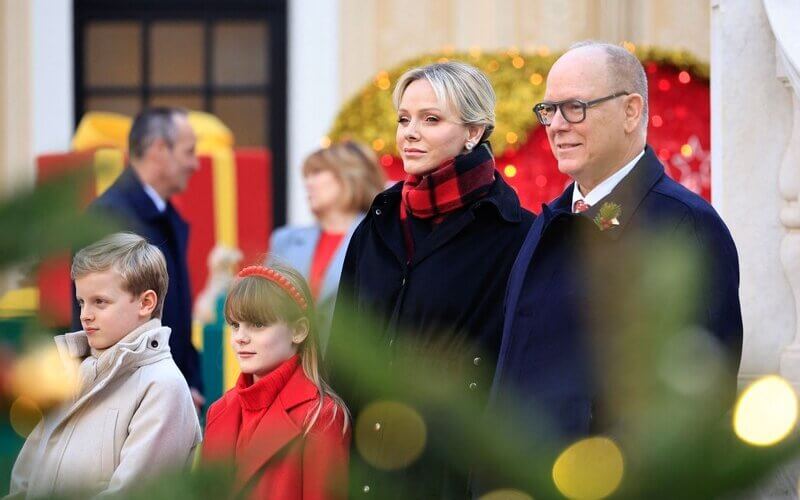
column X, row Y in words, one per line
column 766, row 411
column 589, row 469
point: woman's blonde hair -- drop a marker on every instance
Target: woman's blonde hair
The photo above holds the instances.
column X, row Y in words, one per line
column 254, row 299
column 459, row 87
column 355, row 166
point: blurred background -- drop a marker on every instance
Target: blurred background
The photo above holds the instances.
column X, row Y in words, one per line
column 276, row 80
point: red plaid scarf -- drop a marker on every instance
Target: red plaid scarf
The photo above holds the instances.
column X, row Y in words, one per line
column 456, row 184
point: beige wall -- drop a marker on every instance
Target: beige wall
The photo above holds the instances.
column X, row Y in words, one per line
column 15, row 116
column 378, row 34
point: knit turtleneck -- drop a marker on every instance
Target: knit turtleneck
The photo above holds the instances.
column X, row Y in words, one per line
column 256, row 398
column 260, row 395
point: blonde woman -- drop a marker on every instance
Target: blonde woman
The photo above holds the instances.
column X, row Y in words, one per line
column 431, row 259
column 341, row 182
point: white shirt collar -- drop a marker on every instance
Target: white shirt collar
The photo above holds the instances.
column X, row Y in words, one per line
column 604, row 188
column 158, row 201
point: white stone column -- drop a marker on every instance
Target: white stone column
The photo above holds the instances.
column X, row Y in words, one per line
column 15, row 82
column 313, row 90
column 751, row 122
column 783, row 17
column 52, row 82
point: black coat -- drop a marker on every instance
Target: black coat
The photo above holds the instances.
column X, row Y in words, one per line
column 130, row 205
column 449, row 300
column 569, row 293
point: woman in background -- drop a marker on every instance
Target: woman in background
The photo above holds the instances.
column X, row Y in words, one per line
column 341, row 181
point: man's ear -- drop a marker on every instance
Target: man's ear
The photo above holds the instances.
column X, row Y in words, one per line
column 634, row 107
column 148, row 301
column 156, row 148
column 300, row 330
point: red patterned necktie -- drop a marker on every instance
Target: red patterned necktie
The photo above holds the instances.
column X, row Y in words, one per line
column 580, row 206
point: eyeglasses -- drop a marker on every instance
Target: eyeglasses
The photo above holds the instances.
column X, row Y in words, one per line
column 573, row 110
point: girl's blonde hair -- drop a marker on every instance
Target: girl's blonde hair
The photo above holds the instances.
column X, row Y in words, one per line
column 255, row 299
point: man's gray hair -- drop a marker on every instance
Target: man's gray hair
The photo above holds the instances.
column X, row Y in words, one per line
column 625, row 72
column 152, row 124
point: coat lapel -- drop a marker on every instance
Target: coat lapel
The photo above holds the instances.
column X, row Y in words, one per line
column 277, row 428
column 507, row 207
column 301, row 248
column 130, row 184
column 330, row 283
column 630, row 192
column 556, row 208
column 133, row 355
column 275, row 431
column 442, row 234
column 385, row 214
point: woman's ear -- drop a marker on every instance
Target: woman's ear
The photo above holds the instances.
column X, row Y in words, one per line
column 300, row 330
column 148, row 301
column 474, row 133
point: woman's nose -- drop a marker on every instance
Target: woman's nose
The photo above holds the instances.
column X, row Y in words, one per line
column 411, row 130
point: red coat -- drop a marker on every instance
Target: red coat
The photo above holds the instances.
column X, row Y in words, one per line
column 273, row 453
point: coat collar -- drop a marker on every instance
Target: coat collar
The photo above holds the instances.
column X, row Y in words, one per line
column 145, row 345
column 276, row 428
column 132, row 187
column 261, row 394
column 628, row 194
column 501, row 199
column 129, row 183
column 137, row 346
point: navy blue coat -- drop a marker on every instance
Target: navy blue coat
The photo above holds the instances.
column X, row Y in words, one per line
column 127, row 201
column 448, row 300
column 556, row 311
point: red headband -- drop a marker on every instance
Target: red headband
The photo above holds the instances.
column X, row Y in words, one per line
column 278, row 279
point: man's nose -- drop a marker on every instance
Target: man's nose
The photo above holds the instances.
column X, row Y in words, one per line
column 558, row 122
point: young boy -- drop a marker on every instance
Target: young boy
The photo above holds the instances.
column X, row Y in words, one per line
column 133, row 416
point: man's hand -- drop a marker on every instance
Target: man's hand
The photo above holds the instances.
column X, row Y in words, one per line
column 197, row 399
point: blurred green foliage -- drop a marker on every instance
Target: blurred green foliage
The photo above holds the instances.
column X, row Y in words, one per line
column 672, row 424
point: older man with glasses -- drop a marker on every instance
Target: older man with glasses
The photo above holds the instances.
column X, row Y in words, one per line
column 577, row 300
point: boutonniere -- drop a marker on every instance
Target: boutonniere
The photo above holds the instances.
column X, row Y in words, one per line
column 608, row 215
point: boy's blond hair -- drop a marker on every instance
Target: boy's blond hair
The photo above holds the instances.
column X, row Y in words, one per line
column 141, row 265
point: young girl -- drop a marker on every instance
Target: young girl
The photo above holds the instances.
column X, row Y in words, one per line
column 284, row 428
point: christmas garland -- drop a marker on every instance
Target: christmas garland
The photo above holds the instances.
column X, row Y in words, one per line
column 518, row 79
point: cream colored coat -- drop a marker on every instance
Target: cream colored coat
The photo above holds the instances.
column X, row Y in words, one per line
column 133, row 418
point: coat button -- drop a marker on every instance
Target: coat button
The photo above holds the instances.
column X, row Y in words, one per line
column 378, row 211
column 366, row 488
column 476, row 361
column 473, row 386
column 154, row 344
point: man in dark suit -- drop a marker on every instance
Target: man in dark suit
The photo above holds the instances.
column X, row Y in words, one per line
column 571, row 292
column 162, row 159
